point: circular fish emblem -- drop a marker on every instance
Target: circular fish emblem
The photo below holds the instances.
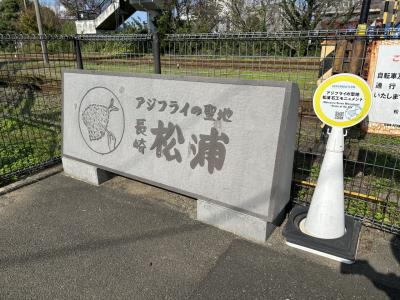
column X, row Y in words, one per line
column 101, row 120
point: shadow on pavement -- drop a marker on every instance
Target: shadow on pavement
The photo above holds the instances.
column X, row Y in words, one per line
column 95, row 245
column 382, row 281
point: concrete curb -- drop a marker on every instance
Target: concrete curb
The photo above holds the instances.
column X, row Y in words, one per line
column 31, row 179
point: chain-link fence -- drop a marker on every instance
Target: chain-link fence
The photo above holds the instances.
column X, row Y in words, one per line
column 30, row 99
column 30, row 91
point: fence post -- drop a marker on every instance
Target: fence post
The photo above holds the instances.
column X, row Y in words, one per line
column 152, row 19
column 156, row 53
column 78, row 54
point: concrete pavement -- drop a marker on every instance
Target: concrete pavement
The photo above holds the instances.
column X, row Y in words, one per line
column 64, row 239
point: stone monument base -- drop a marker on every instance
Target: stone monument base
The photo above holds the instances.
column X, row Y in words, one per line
column 209, row 212
column 234, row 221
column 85, row 172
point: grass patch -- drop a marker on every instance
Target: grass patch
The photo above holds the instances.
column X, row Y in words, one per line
column 30, row 132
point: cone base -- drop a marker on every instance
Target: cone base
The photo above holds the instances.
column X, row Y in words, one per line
column 343, row 249
column 313, row 251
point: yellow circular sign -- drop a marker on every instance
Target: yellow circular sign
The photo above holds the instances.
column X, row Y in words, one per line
column 342, row 100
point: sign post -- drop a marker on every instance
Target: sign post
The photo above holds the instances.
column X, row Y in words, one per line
column 341, row 101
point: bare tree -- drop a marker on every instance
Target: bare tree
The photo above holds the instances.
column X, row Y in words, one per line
column 247, row 16
column 73, row 6
column 206, row 15
column 341, row 12
column 183, row 14
column 191, row 16
column 309, row 14
column 183, row 9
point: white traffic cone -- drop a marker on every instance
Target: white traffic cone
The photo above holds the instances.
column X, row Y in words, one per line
column 325, row 218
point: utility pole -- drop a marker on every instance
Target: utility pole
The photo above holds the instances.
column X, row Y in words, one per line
column 360, row 43
column 40, row 29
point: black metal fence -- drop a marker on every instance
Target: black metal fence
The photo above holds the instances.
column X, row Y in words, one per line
column 30, row 98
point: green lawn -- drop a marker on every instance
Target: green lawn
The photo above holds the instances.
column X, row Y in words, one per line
column 30, row 133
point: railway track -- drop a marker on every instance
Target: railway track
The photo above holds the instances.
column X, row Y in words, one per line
column 249, row 63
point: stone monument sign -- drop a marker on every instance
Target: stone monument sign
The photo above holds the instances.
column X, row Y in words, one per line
column 227, row 143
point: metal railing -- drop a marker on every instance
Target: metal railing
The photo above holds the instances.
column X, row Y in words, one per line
column 30, row 97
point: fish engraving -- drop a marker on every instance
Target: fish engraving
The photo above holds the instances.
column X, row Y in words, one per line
column 96, row 118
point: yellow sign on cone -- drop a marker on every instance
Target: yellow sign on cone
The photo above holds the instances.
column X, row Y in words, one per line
column 342, row 100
